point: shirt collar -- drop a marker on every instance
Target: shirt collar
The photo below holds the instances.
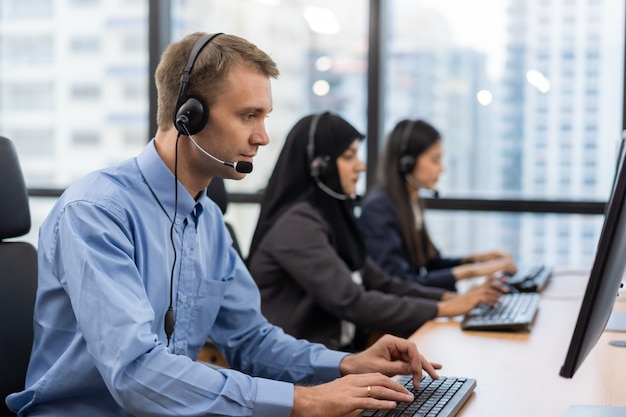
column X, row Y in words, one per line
column 161, row 181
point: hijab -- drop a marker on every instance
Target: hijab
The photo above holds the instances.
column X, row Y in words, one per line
column 292, row 182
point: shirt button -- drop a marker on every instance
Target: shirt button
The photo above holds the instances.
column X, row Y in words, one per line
column 180, row 345
column 183, row 298
column 177, row 221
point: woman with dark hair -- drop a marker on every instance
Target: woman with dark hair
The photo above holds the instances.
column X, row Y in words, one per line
column 308, row 256
column 392, row 216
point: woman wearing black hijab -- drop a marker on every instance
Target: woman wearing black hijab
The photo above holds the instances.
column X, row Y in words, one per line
column 308, row 257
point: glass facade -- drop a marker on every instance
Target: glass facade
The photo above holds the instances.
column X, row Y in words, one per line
column 527, row 94
column 528, row 97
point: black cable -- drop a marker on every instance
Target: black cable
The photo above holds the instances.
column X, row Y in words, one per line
column 170, row 316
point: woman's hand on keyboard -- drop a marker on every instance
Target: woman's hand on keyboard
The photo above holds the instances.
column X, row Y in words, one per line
column 482, row 268
column 487, row 256
column 488, row 293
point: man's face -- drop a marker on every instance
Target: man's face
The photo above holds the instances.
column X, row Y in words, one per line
column 236, row 125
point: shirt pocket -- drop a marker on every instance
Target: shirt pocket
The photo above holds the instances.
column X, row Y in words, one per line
column 208, row 303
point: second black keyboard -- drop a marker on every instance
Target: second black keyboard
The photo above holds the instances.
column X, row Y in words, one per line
column 514, row 312
column 530, row 277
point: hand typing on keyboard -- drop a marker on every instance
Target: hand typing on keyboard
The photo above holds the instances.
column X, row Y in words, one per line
column 484, row 264
column 433, row 398
column 489, row 293
column 366, row 383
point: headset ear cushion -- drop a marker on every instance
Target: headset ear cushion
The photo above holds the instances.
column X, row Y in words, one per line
column 406, row 164
column 194, row 114
column 319, row 166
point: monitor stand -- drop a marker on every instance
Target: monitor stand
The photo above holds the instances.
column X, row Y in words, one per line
column 595, row 411
column 617, row 322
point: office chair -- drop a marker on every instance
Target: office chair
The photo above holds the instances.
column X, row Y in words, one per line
column 18, row 276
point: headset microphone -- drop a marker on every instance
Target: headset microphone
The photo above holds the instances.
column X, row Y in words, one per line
column 333, row 193
column 434, row 193
column 243, row 167
column 415, row 184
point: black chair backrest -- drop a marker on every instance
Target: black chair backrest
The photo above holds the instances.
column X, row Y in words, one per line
column 18, row 276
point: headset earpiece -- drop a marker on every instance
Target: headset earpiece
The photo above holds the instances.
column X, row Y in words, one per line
column 193, row 114
column 407, row 162
column 319, row 166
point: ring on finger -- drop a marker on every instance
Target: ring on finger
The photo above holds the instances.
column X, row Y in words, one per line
column 369, row 390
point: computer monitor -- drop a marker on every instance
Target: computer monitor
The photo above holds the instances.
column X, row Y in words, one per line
column 605, row 279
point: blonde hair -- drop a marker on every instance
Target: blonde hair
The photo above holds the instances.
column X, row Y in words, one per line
column 209, row 70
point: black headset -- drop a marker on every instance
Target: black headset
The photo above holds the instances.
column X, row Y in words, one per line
column 317, row 165
column 190, row 117
column 406, row 162
column 191, row 112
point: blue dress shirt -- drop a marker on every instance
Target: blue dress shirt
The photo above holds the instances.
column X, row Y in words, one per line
column 105, row 259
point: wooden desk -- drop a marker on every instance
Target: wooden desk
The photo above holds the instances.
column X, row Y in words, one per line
column 518, row 373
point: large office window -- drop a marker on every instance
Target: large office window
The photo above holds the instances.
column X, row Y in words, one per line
column 527, row 94
column 528, row 97
column 73, row 87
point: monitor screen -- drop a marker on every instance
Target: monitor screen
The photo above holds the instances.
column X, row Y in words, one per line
column 605, row 278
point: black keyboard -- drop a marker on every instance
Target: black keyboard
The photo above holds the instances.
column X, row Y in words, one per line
column 514, row 312
column 442, row 397
column 530, row 278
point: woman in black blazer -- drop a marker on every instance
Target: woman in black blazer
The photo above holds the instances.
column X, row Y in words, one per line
column 308, row 256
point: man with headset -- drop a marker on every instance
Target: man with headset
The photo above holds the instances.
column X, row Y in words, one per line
column 136, row 270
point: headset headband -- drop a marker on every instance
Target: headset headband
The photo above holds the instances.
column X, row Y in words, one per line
column 184, row 79
column 406, row 135
column 312, row 130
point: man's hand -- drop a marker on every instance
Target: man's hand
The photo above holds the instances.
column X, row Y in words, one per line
column 347, row 394
column 366, row 382
column 391, row 356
